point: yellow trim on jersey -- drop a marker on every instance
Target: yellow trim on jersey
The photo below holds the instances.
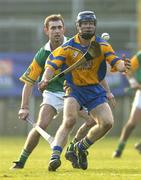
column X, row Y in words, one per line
column 32, row 73
column 134, row 63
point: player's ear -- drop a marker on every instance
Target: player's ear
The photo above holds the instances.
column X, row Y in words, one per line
column 77, row 25
column 64, row 29
column 45, row 30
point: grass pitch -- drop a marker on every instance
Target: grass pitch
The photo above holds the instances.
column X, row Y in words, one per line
column 101, row 164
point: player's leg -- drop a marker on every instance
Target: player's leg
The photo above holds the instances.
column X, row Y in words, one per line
column 103, row 115
column 127, row 130
column 138, row 145
column 46, row 114
column 85, row 127
column 69, row 118
column 130, row 125
column 52, row 103
column 81, row 133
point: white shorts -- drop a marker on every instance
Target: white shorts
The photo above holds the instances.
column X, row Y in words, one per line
column 54, row 99
column 137, row 100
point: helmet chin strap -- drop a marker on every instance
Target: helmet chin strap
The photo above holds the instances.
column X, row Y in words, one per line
column 87, row 36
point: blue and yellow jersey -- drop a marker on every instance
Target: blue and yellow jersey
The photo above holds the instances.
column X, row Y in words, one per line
column 136, row 66
column 35, row 70
column 92, row 72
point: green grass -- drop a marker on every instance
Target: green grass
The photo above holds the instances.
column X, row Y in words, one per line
column 101, row 164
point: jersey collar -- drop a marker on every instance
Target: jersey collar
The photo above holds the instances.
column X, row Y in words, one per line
column 77, row 39
column 47, row 45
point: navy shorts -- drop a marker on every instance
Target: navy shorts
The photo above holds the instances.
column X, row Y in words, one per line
column 87, row 96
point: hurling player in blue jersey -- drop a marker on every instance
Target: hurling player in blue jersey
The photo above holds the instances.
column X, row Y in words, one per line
column 83, row 87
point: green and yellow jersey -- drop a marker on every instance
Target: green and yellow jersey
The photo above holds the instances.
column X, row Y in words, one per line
column 92, row 72
column 35, row 70
column 136, row 66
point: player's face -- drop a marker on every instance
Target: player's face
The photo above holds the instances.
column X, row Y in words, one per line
column 55, row 31
column 86, row 28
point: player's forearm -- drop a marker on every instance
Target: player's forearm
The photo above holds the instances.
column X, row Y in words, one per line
column 48, row 74
column 105, row 85
column 133, row 82
column 26, row 93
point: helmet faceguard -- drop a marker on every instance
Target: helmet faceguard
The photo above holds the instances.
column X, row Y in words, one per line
column 86, row 16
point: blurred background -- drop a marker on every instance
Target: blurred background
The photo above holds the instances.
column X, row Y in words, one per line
column 21, row 35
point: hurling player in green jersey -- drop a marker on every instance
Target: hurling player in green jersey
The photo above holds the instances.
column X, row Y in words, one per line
column 52, row 97
column 134, row 78
column 53, row 101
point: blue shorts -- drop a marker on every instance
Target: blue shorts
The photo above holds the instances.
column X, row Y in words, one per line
column 87, row 96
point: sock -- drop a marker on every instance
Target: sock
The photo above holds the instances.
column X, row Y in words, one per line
column 74, row 141
column 24, row 156
column 71, row 145
column 57, row 150
column 84, row 144
column 121, row 146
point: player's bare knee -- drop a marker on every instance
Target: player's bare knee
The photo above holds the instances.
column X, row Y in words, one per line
column 107, row 125
column 70, row 122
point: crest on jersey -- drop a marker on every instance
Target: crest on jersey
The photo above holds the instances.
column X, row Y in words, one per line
column 75, row 54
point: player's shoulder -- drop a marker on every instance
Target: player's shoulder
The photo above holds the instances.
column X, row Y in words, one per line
column 138, row 57
column 69, row 42
column 45, row 49
column 138, row 54
column 41, row 56
column 102, row 41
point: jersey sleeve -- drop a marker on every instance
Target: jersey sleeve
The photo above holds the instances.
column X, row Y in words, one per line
column 56, row 59
column 136, row 61
column 110, row 56
column 36, row 68
column 32, row 73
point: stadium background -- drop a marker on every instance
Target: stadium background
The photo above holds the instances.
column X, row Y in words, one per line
column 21, row 35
